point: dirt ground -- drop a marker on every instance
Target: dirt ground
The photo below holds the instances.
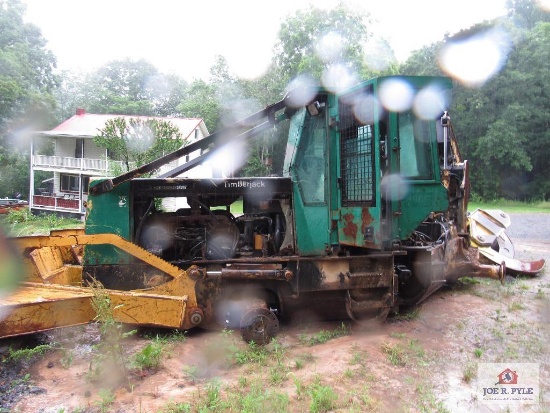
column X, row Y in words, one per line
column 424, row 360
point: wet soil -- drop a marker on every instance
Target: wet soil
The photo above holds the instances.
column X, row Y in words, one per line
column 417, row 361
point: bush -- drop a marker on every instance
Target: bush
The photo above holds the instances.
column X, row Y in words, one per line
column 19, row 216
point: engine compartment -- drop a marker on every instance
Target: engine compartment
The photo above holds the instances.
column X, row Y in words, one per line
column 186, row 236
column 206, row 229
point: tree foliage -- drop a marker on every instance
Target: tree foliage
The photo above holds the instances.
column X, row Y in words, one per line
column 506, row 123
column 202, row 103
column 122, row 87
column 138, row 140
column 314, row 39
column 26, row 84
column 503, row 125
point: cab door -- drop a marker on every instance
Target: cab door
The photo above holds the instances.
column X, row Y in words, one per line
column 307, row 164
column 359, row 169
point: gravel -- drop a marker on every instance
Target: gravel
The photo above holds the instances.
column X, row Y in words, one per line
column 531, row 225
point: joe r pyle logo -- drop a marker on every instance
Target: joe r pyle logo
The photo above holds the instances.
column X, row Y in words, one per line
column 514, row 384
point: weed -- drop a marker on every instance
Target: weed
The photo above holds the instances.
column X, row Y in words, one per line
column 362, row 401
column 356, row 358
column 150, row 356
column 27, row 354
column 470, row 372
column 192, row 372
column 325, row 335
column 323, row 398
column 277, row 374
column 110, row 351
column 515, row 306
column 176, row 408
column 416, row 349
column 478, row 352
column 25, row 379
column 174, row 336
column 20, row 216
column 106, row 398
column 299, row 387
column 212, row 400
column 23, row 222
column 497, row 333
column 243, row 381
column 253, row 353
column 257, row 399
column 395, row 354
column 409, row 315
column 428, row 403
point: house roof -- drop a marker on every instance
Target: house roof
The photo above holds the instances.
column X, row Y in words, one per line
column 87, row 125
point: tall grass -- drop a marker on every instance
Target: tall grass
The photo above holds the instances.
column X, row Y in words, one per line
column 23, row 222
column 511, row 206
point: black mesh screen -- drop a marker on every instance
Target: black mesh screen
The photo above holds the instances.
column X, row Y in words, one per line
column 356, row 150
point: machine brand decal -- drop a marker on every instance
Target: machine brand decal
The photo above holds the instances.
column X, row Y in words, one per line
column 169, row 187
column 245, row 184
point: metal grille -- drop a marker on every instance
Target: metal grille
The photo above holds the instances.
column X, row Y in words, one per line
column 356, row 162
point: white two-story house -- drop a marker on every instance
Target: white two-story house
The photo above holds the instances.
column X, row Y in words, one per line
column 76, row 159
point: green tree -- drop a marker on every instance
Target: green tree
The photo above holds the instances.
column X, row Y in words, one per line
column 527, row 84
column 525, row 14
column 423, row 62
column 202, row 102
column 138, row 140
column 26, row 84
column 121, row 87
column 314, row 39
column 126, row 87
column 504, row 123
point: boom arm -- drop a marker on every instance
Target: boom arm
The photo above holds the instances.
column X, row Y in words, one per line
column 246, row 128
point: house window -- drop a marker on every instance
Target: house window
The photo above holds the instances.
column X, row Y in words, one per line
column 85, row 184
column 79, row 148
column 69, row 183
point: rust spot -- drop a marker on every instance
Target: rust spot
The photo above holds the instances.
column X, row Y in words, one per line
column 366, row 218
column 350, row 228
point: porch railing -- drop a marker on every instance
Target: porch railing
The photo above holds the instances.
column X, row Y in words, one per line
column 78, row 164
column 56, row 202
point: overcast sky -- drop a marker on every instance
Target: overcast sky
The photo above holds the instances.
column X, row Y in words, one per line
column 183, row 37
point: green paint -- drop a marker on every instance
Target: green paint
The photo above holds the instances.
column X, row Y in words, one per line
column 108, row 213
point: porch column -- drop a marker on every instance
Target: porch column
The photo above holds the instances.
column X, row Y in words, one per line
column 31, row 186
